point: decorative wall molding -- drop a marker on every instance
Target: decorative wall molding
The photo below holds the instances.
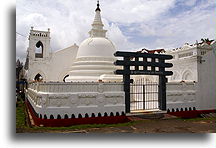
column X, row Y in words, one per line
column 106, row 98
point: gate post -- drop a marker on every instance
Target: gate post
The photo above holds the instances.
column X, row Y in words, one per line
column 126, row 79
column 162, row 87
column 162, row 92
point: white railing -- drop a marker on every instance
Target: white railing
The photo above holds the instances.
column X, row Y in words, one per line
column 76, row 87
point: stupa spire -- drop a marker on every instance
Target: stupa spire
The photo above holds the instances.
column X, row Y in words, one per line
column 97, row 25
column 98, row 9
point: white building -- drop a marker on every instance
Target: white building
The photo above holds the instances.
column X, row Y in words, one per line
column 45, row 64
column 84, row 95
column 95, row 56
column 186, row 60
column 92, row 62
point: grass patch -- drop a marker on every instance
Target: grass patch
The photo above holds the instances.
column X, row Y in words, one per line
column 20, row 115
column 197, row 119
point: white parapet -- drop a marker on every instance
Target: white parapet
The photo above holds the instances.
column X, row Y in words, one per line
column 181, row 96
column 76, row 98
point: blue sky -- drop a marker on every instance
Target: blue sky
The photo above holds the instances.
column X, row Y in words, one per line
column 131, row 24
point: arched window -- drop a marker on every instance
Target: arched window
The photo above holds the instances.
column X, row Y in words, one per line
column 39, row 50
column 38, row 77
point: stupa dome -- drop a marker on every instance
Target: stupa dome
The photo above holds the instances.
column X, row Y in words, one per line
column 95, row 57
column 96, row 47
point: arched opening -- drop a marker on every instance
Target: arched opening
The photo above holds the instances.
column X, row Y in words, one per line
column 51, row 117
column 93, row 115
column 72, row 116
column 86, row 115
column 99, row 114
column 187, row 75
column 79, row 116
column 58, row 117
column 65, row 116
column 38, row 77
column 105, row 114
column 39, row 50
column 65, row 78
column 111, row 114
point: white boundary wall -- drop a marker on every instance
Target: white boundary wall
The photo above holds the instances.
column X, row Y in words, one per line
column 200, row 95
column 206, row 78
column 76, row 98
column 181, row 96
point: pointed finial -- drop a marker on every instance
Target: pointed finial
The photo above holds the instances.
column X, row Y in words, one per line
column 98, row 9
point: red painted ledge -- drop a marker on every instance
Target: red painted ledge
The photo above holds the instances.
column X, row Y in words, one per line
column 191, row 114
column 74, row 121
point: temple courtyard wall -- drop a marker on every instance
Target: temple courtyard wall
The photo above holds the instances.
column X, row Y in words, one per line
column 199, row 95
column 76, row 99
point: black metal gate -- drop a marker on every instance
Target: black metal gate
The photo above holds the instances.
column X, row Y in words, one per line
column 143, row 95
column 144, row 64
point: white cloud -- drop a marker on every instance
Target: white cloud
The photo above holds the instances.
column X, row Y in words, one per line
column 189, row 2
column 146, row 20
column 122, row 43
column 188, row 26
column 136, row 11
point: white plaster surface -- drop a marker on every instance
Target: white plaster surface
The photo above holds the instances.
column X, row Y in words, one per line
column 53, row 66
column 95, row 57
column 199, row 90
column 185, row 62
column 206, row 78
column 76, row 98
column 181, row 95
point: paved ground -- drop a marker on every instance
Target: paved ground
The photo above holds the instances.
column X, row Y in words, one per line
column 167, row 124
column 161, row 126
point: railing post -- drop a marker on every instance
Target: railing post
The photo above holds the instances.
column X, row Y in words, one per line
column 143, row 96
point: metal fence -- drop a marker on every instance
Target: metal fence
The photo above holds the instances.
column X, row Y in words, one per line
column 144, row 95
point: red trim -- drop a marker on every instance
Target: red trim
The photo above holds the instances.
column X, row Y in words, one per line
column 191, row 114
column 75, row 121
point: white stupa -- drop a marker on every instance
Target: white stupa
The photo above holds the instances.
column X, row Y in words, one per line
column 95, row 57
